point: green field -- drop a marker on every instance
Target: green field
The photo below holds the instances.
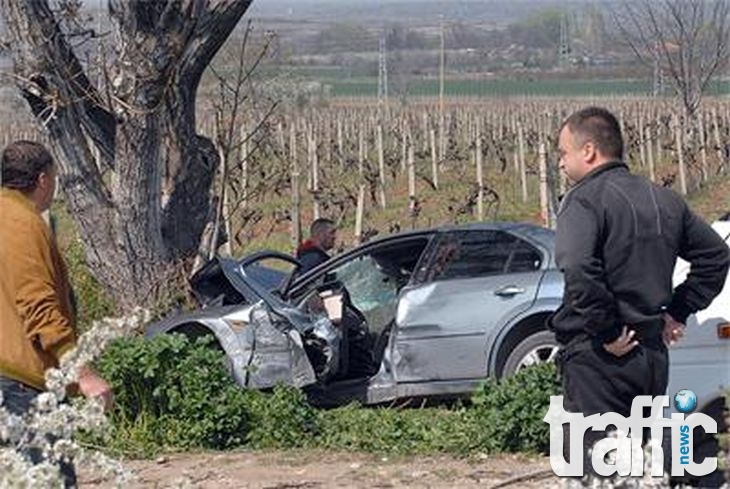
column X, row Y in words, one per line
column 368, row 87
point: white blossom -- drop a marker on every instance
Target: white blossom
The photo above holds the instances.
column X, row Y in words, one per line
column 51, row 424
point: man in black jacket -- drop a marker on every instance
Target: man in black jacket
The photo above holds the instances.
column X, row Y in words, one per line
column 313, row 251
column 618, row 238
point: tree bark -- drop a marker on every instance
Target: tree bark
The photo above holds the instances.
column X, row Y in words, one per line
column 144, row 202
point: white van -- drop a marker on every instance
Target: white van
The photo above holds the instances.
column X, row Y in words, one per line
column 700, row 361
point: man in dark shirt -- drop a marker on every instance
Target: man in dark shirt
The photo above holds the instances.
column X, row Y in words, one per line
column 313, row 251
column 618, row 238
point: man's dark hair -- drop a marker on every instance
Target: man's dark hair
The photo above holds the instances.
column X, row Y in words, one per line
column 319, row 225
column 22, row 163
column 599, row 126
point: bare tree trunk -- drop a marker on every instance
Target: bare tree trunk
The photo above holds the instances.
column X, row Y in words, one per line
column 722, row 168
column 659, row 152
column 424, row 130
column 340, row 144
column 404, row 149
column 296, row 223
column 480, row 175
column 650, row 154
column 328, row 141
column 308, row 140
column 245, row 156
column 361, row 188
column 642, row 149
column 523, row 165
column 434, row 160
column 381, row 167
column 703, row 146
column 141, row 124
column 411, row 174
column 680, row 155
column 544, row 205
column 314, row 161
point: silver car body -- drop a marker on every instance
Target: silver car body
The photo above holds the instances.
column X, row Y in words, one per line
column 445, row 337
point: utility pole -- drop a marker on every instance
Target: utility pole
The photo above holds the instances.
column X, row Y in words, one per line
column 658, row 82
column 442, row 143
column 564, row 51
column 383, row 73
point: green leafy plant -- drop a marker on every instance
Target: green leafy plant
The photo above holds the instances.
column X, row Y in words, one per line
column 281, row 418
column 174, row 393
column 92, row 303
column 178, row 390
column 515, row 408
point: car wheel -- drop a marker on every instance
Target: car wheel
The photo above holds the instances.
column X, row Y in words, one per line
column 537, row 348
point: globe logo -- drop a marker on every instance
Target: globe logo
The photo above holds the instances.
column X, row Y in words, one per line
column 685, row 401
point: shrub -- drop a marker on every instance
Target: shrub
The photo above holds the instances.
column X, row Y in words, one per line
column 177, row 391
column 174, row 393
column 512, row 410
column 281, row 419
column 389, row 430
column 92, row 302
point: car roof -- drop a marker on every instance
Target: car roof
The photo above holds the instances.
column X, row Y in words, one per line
column 533, row 232
column 520, row 227
column 542, row 236
column 539, row 233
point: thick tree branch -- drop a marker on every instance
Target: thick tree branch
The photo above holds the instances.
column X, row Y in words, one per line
column 53, row 73
column 211, row 31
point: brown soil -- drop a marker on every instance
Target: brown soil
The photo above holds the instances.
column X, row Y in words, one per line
column 320, row 470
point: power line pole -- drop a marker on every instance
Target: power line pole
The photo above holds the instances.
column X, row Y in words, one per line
column 658, row 81
column 383, row 73
column 441, row 94
column 564, row 51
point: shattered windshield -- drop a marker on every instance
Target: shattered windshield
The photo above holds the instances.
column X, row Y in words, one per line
column 373, row 287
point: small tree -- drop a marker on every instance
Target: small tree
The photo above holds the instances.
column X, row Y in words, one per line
column 136, row 176
column 688, row 39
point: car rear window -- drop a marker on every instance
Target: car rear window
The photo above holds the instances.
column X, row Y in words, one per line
column 469, row 254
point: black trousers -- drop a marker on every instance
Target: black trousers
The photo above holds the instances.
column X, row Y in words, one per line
column 595, row 381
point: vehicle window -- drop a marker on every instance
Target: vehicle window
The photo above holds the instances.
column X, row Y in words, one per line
column 470, row 254
column 272, row 272
column 374, row 279
column 372, row 287
column 524, row 258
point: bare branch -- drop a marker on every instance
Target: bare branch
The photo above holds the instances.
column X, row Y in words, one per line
column 690, row 38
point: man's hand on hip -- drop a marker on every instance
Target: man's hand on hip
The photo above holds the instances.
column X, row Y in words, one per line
column 623, row 344
column 673, row 330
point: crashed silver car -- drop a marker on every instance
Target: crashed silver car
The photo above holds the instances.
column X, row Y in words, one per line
column 418, row 314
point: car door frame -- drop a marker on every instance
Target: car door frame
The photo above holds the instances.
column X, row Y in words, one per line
column 408, row 388
column 312, row 275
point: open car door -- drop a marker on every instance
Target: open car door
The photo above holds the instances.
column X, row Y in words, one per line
column 213, row 285
column 287, row 344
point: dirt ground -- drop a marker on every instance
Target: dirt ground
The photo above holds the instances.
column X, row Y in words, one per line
column 321, row 470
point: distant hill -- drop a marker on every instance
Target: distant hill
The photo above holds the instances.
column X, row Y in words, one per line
column 408, row 12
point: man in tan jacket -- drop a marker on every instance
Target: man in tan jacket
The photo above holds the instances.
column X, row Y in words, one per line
column 37, row 317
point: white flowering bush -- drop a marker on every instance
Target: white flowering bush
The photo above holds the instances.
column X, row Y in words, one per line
column 619, row 482
column 51, row 424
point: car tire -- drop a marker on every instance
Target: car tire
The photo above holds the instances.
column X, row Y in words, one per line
column 537, row 348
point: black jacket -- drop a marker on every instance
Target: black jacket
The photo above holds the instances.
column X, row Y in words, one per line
column 618, row 238
column 310, row 255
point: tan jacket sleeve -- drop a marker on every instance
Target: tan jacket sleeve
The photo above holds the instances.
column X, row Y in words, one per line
column 47, row 323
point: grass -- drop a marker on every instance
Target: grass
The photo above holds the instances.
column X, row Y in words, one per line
column 429, row 87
